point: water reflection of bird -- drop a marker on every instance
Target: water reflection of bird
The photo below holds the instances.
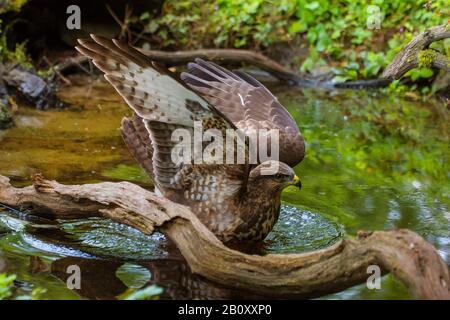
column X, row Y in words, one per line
column 100, row 281
column 238, row 202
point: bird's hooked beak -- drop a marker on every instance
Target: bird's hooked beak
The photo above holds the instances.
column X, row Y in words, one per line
column 296, row 182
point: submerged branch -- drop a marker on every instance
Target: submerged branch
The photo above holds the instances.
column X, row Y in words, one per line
column 410, row 258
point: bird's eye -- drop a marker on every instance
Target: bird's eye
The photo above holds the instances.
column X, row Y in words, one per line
column 278, row 176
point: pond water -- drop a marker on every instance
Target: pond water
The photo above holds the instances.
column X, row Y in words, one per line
column 373, row 162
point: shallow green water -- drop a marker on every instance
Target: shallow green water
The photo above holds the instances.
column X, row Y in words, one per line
column 373, row 163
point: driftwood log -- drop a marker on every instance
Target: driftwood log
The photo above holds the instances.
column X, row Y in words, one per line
column 405, row 254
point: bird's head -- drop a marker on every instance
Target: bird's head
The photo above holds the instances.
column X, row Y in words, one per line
column 274, row 175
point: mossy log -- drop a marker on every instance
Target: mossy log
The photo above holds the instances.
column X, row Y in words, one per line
column 405, row 254
column 417, row 54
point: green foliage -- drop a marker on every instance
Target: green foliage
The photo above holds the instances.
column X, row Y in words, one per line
column 11, row 5
column 8, row 291
column 6, row 285
column 426, row 58
column 18, row 55
column 6, row 120
column 421, row 72
column 335, row 32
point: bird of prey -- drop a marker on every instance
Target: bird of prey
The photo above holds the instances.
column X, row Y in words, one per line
column 239, row 202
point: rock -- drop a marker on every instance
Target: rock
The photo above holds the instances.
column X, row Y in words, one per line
column 33, row 88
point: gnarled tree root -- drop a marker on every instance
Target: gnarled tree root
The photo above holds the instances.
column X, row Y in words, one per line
column 409, row 257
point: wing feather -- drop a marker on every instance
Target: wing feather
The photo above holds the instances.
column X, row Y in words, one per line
column 163, row 105
column 137, row 139
column 248, row 103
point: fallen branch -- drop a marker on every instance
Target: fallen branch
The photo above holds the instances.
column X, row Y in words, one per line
column 414, row 54
column 407, row 59
column 410, row 258
column 225, row 56
column 176, row 58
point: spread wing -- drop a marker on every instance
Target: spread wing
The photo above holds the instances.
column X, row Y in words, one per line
column 165, row 105
column 247, row 103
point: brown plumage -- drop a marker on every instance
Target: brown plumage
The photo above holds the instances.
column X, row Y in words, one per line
column 247, row 103
column 238, row 202
column 137, row 139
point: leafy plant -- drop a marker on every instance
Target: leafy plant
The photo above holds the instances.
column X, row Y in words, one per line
column 335, row 32
column 8, row 291
column 6, row 285
column 6, row 120
column 18, row 55
column 11, row 5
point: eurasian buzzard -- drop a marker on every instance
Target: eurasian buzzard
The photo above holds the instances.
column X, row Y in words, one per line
column 237, row 201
